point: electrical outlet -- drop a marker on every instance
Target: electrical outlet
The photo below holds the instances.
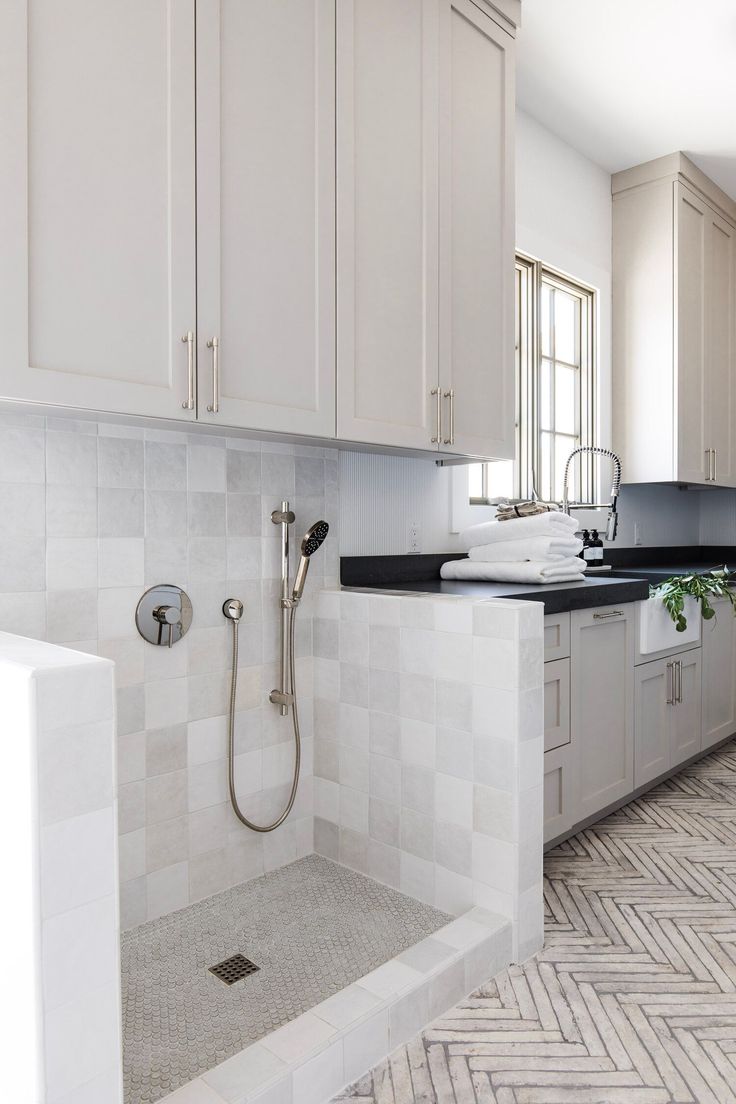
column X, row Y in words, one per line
column 414, row 537
column 638, row 538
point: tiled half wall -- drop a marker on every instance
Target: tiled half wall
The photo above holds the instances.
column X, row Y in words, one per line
column 428, row 749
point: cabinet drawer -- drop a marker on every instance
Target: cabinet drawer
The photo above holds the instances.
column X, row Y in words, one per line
column 556, row 636
column 556, row 704
column 559, row 793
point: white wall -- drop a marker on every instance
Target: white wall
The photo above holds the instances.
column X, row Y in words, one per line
column 563, row 217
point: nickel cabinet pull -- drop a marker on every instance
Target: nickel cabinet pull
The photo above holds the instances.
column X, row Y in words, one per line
column 436, row 393
column 606, row 616
column 678, row 682
column 670, row 685
column 715, row 464
column 214, row 345
column 188, row 340
column 451, row 396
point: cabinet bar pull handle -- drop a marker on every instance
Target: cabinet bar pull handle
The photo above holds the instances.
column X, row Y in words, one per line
column 437, row 393
column 670, row 685
column 709, row 457
column 188, row 340
column 214, row 345
column 605, row 616
column 715, row 464
column 678, row 680
column 451, row 396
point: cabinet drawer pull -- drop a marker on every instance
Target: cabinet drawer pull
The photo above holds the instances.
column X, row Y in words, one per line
column 188, row 340
column 436, row 393
column 670, row 685
column 214, row 345
column 451, row 396
column 715, row 464
column 605, row 616
column 678, row 682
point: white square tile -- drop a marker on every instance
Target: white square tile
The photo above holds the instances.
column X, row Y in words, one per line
column 417, row 742
column 366, row 1045
column 71, row 941
column 453, row 799
column 77, row 861
column 243, row 1074
column 71, row 563
column 121, row 562
column 299, row 1038
column 321, row 1077
column 82, row 1038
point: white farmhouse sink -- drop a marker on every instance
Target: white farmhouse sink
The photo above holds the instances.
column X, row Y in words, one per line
column 657, row 630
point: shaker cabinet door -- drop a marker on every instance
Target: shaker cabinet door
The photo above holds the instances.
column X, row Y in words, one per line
column 477, row 239
column 602, row 704
column 719, row 675
column 266, row 214
column 97, row 204
column 387, row 180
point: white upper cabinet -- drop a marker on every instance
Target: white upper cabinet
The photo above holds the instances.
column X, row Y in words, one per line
column 425, row 226
column 477, row 233
column 387, row 220
column 674, row 325
column 288, row 217
column 97, row 207
column 266, row 214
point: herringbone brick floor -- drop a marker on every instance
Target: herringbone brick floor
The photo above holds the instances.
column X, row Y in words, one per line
column 633, row 999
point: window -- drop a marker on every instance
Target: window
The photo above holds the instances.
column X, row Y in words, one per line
column 554, row 391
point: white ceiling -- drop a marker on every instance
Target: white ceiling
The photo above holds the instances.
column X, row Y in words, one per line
column 624, row 81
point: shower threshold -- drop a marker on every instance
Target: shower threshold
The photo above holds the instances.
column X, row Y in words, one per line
column 346, row 967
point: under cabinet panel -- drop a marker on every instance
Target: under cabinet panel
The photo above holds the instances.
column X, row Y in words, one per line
column 556, row 704
column 560, row 810
column 556, row 636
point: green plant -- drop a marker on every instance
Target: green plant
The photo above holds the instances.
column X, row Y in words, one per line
column 673, row 592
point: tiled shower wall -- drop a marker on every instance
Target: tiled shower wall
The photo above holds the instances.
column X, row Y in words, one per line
column 92, row 515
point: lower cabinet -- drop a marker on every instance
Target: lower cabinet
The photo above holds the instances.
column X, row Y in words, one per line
column 667, row 714
column 560, row 805
column 602, row 705
column 719, row 674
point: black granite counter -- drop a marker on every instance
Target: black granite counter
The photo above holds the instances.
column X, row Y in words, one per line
column 421, row 575
column 557, row 597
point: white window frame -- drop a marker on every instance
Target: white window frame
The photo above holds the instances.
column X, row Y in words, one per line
column 531, row 274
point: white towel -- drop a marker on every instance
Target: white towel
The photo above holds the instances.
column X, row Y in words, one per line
column 540, row 525
column 534, row 548
column 529, row 571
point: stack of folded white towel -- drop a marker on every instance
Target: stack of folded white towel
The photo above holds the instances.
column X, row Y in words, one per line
column 538, row 549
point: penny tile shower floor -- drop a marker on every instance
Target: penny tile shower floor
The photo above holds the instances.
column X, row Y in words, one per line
column 312, row 927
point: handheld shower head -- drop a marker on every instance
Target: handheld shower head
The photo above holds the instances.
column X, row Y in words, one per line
column 311, row 541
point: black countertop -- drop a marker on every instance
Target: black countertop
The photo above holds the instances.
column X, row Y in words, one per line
column 557, row 597
column 421, row 575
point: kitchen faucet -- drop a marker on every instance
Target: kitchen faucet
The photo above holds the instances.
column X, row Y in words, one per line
column 567, row 506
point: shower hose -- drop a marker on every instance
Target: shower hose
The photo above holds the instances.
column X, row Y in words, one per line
column 231, row 735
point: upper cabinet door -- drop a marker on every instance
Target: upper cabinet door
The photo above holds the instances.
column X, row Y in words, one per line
column 266, row 213
column 476, row 233
column 97, row 203
column 691, row 236
column 721, row 348
column 387, row 170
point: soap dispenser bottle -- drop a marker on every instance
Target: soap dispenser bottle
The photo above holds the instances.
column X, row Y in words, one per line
column 583, row 554
column 597, row 545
